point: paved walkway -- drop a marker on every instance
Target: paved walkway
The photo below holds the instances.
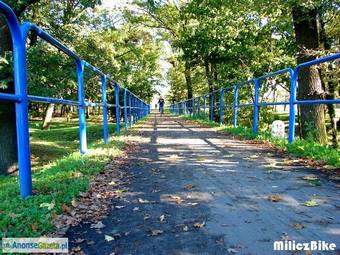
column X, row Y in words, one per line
column 195, row 191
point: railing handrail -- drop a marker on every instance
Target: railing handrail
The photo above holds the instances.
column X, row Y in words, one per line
column 134, row 107
column 175, row 108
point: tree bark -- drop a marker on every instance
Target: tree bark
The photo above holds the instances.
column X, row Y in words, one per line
column 8, row 139
column 8, row 135
column 48, row 116
column 329, row 86
column 309, row 82
column 187, row 74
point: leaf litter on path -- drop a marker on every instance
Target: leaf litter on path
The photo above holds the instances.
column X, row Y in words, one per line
column 97, row 225
column 156, row 232
column 274, row 198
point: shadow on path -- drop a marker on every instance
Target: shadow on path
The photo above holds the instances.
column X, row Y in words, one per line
column 204, row 193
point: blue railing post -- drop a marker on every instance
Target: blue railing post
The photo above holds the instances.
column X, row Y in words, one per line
column 81, row 110
column 130, row 110
column 211, row 107
column 125, row 112
column 105, row 120
column 117, row 108
column 199, row 107
column 193, row 107
column 221, row 105
column 292, row 100
column 204, row 107
column 256, row 105
column 21, row 106
column 235, row 105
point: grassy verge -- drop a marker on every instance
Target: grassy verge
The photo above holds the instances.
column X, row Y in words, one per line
column 59, row 174
column 300, row 148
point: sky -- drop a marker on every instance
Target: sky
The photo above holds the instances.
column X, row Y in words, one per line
column 165, row 66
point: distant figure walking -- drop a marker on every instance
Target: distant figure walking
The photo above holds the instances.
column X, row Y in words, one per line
column 161, row 103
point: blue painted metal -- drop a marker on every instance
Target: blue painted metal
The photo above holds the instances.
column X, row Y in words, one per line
column 204, row 107
column 292, row 101
column 199, row 107
column 105, row 117
column 21, row 107
column 10, row 97
column 130, row 110
column 211, row 111
column 221, row 105
column 19, row 35
column 117, row 108
column 256, row 106
column 235, row 106
column 81, row 108
column 126, row 121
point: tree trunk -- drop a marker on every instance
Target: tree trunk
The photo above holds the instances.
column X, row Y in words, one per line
column 8, row 138
column 310, row 87
column 329, row 86
column 209, row 75
column 48, row 116
column 187, row 74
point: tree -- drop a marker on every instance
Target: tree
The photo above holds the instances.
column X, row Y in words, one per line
column 310, row 87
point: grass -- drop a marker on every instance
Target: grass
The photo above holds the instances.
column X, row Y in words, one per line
column 301, row 148
column 59, row 174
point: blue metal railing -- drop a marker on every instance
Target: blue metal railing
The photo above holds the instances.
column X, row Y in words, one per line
column 133, row 107
column 188, row 106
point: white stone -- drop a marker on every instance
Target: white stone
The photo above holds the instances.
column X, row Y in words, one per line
column 278, row 129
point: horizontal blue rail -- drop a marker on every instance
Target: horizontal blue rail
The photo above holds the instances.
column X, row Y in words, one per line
column 193, row 105
column 133, row 107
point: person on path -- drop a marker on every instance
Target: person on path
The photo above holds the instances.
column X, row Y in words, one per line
column 161, row 103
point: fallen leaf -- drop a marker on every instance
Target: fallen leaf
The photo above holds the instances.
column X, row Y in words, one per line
column 173, row 157
column 34, row 227
column 185, row 228
column 49, row 206
column 77, row 174
column 119, row 191
column 113, row 183
column 76, row 249
column 192, row 204
column 109, row 238
column 90, row 242
column 274, row 198
column 13, row 215
column 199, row 225
column 147, row 216
column 119, row 206
column 178, row 199
column 155, row 171
column 310, row 203
column 298, row 226
column 142, row 201
column 189, row 186
column 74, row 202
column 97, row 225
column 156, row 232
column 284, row 236
column 231, row 250
column 79, row 240
column 310, row 178
column 201, row 159
column 135, row 209
column 162, row 218
column 65, row 208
